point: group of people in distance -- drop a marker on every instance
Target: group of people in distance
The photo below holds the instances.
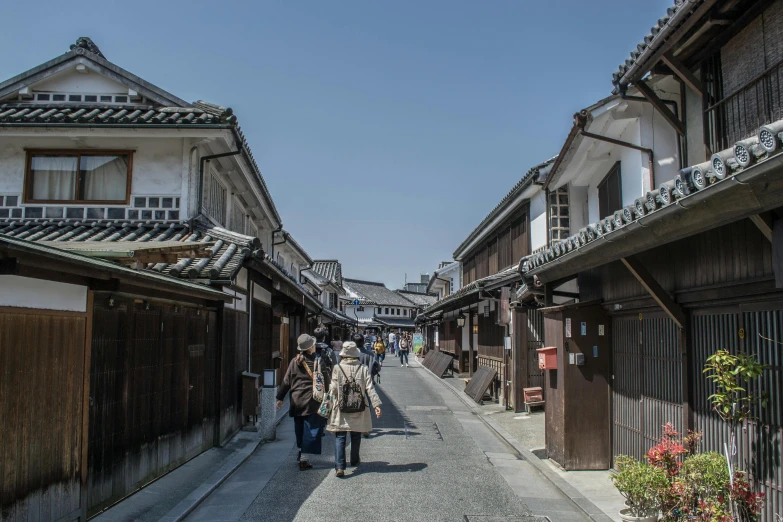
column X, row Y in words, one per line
column 330, row 387
column 398, row 345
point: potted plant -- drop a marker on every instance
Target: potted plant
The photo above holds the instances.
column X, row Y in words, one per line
column 642, row 485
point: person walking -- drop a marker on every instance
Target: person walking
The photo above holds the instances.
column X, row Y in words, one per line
column 380, row 350
column 350, row 385
column 404, row 348
column 298, row 380
column 324, row 351
column 392, row 345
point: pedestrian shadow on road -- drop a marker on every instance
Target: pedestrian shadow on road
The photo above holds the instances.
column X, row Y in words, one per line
column 366, row 468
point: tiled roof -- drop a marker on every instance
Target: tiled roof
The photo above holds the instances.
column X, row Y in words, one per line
column 88, row 45
column 396, row 323
column 469, row 289
column 417, row 298
column 102, row 264
column 697, row 180
column 217, row 110
column 376, row 293
column 330, row 269
column 674, row 17
column 281, row 270
column 227, row 254
column 522, row 184
column 68, row 114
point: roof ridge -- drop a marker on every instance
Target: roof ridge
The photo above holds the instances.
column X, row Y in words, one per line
column 365, row 282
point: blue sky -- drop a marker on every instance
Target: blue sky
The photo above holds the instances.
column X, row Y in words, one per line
column 385, row 130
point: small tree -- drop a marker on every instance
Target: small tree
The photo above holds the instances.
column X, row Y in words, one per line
column 734, row 402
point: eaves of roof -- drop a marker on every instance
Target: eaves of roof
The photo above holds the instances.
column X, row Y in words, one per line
column 702, row 197
column 86, row 52
column 296, row 246
column 581, row 120
column 656, row 42
column 151, row 277
column 456, row 300
column 522, row 184
column 226, row 256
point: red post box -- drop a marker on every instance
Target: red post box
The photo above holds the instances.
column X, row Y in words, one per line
column 547, row 358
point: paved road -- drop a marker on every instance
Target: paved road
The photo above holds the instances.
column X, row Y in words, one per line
column 430, row 458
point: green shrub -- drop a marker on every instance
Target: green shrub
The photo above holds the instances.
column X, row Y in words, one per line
column 705, row 477
column 641, row 484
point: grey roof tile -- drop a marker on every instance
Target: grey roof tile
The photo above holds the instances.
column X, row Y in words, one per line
column 376, row 293
column 228, row 253
column 330, row 269
column 419, row 299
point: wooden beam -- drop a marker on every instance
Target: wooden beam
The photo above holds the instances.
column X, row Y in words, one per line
column 763, row 225
column 655, row 290
column 661, row 107
column 562, row 293
column 685, row 75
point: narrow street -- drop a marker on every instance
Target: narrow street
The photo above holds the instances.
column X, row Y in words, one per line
column 429, row 458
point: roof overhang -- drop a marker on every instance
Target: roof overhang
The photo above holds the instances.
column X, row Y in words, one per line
column 756, row 189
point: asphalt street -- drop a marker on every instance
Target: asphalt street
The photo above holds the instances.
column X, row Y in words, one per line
column 429, row 458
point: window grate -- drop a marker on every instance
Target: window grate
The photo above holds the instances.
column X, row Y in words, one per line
column 215, row 200
column 559, row 215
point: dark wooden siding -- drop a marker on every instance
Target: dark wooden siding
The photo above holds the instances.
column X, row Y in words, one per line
column 447, row 337
column 153, row 393
column 504, row 247
column 261, row 345
column 732, row 253
column 233, row 363
column 490, row 336
column 41, row 392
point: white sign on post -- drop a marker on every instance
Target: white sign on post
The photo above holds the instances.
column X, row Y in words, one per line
column 568, row 327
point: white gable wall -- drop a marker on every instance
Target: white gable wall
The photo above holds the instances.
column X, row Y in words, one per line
column 72, row 81
column 538, row 222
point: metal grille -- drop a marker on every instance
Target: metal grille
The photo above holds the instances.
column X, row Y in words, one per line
column 535, row 340
column 758, row 444
column 647, row 391
column 559, row 218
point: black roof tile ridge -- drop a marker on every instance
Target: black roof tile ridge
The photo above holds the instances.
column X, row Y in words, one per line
column 374, row 283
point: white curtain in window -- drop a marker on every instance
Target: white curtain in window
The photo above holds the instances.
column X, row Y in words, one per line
column 54, row 177
column 105, row 177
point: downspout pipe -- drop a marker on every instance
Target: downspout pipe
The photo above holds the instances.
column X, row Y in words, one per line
column 626, row 144
column 272, row 246
column 202, row 161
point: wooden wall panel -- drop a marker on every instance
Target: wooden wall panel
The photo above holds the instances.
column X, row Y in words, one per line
column 233, row 363
column 41, row 393
column 154, row 394
column 732, row 253
column 492, row 249
column 503, row 248
column 490, row 336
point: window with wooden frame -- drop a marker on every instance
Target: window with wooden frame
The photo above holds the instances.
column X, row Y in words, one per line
column 610, row 192
column 78, row 176
column 215, row 198
column 559, row 219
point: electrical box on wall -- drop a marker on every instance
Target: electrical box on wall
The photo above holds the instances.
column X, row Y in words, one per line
column 580, row 359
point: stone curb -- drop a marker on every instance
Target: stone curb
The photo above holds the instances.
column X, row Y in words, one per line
column 583, row 503
column 197, row 496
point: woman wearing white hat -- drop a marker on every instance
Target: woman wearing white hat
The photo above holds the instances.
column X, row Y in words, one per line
column 350, row 385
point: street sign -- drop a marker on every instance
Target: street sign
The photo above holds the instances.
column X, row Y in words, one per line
column 356, row 302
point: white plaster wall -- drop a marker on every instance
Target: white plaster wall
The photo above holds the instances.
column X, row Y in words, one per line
column 262, row 295
column 26, row 292
column 658, row 135
column 577, row 203
column 157, row 162
column 74, row 82
column 633, row 171
column 538, row 224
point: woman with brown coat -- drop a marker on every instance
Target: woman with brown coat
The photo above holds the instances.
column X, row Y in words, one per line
column 349, row 412
column 298, row 380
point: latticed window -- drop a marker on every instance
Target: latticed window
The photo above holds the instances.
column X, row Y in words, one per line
column 215, row 199
column 559, row 219
column 250, row 229
column 237, row 218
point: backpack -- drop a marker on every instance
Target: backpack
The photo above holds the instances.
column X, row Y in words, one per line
column 351, row 394
column 319, row 385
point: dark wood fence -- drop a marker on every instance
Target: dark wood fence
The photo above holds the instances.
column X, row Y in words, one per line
column 42, row 357
column 233, row 363
column 153, row 393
